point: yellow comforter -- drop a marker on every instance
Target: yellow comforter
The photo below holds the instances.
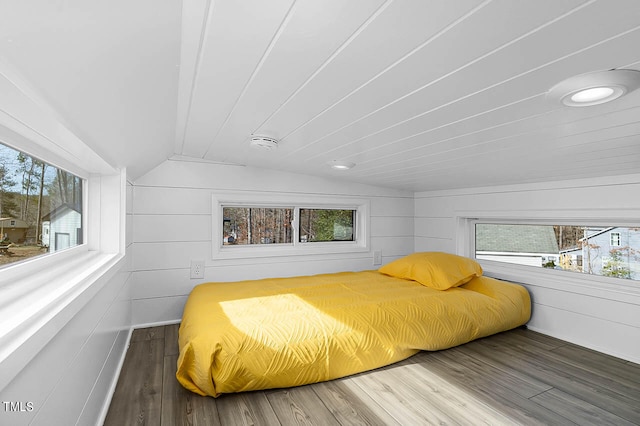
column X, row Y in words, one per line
column 273, row 333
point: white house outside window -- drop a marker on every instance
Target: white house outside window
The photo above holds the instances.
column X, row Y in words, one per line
column 40, row 207
column 594, row 250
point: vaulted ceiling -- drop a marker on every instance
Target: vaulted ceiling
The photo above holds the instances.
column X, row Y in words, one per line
column 420, row 95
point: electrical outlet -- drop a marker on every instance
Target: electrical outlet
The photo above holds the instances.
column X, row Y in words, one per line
column 197, row 269
column 377, row 257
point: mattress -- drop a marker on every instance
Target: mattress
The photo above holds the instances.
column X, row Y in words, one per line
column 283, row 332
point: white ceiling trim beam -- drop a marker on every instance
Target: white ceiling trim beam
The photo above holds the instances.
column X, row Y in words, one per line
column 196, row 15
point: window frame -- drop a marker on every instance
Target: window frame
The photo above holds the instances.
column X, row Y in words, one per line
column 25, row 266
column 298, row 218
column 256, row 207
column 220, row 200
column 97, row 188
column 595, row 285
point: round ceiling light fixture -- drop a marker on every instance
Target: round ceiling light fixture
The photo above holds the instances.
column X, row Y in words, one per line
column 594, row 88
column 264, row 142
column 341, row 165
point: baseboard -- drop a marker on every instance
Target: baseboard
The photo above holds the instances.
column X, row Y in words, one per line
column 114, row 381
column 157, row 324
column 588, row 345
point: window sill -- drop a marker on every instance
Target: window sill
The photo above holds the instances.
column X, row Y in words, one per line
column 38, row 301
column 607, row 288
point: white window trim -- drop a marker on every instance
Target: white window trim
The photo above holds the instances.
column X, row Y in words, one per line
column 287, row 200
column 40, row 295
column 617, row 289
column 51, row 289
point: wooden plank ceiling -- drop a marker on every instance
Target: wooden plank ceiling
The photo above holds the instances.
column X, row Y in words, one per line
column 421, row 95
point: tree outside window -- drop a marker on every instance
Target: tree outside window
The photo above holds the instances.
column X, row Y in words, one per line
column 40, row 207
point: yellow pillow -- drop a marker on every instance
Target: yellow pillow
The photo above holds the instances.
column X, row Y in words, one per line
column 434, row 269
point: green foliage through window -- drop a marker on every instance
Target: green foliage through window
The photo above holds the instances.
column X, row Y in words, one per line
column 326, row 225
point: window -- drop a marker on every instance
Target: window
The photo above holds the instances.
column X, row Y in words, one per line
column 256, row 225
column 250, row 225
column 615, row 239
column 40, row 207
column 596, row 250
column 326, row 225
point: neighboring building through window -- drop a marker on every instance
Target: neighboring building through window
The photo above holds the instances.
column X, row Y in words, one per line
column 522, row 244
column 605, row 251
column 40, row 207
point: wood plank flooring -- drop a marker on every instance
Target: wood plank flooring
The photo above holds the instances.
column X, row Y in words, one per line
column 517, row 377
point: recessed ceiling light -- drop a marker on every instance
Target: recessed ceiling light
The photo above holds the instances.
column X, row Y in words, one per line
column 264, row 142
column 593, row 95
column 595, row 88
column 341, row 165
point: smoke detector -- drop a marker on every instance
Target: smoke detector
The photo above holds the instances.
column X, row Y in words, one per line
column 264, row 142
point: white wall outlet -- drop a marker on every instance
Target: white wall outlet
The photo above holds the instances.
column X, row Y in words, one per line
column 197, row 269
column 377, row 257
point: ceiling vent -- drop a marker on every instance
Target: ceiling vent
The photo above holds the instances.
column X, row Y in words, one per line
column 264, row 142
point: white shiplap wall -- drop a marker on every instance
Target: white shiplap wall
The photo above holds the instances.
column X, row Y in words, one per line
column 172, row 226
column 593, row 312
column 70, row 380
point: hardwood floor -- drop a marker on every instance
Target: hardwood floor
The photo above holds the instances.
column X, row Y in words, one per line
column 517, row 377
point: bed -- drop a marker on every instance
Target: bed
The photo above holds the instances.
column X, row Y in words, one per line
column 283, row 332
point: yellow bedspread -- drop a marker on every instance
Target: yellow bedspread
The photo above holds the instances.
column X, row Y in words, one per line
column 273, row 333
